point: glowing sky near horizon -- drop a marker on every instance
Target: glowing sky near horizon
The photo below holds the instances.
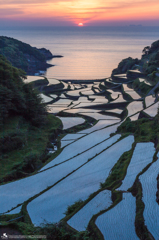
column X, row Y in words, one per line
column 73, row 12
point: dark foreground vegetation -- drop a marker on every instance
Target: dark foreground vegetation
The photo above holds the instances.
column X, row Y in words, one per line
column 26, row 129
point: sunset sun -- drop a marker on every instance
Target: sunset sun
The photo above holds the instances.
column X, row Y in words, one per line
column 80, row 24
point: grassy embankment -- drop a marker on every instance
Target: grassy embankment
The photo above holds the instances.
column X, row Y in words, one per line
column 24, row 147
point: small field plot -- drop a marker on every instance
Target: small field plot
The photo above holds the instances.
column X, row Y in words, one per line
column 100, row 99
column 65, row 143
column 74, row 92
column 69, row 122
column 116, row 110
column 134, row 94
column 79, row 185
column 53, row 95
column 149, row 189
column 142, row 156
column 134, row 107
column 114, row 95
column 126, row 88
column 56, row 109
column 152, row 111
column 33, row 78
column 62, row 96
column 77, row 86
column 119, row 99
column 70, row 86
column 82, row 145
column 99, row 116
column 45, row 98
column 73, row 136
column 99, row 125
column 134, row 117
column 149, row 100
column 55, row 81
column 15, row 211
column 100, row 202
column 144, row 80
column 119, row 222
column 91, row 104
column 88, row 92
column 81, row 110
column 83, row 99
column 97, row 90
column 63, row 101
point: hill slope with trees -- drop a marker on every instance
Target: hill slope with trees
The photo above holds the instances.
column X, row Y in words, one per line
column 22, row 55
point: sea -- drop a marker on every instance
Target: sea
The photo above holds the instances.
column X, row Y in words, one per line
column 88, row 52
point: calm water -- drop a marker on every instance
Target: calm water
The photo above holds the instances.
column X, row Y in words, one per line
column 89, row 52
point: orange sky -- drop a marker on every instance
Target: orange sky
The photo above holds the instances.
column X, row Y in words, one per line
column 71, row 12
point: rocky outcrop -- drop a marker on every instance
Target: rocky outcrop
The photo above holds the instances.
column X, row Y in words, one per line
column 22, row 55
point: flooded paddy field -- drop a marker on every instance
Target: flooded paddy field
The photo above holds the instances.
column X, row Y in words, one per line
column 91, row 164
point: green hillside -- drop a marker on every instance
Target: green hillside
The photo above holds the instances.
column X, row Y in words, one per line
column 22, row 55
column 25, row 126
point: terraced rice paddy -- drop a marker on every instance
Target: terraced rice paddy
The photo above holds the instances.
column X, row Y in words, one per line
column 149, row 100
column 134, row 117
column 145, row 81
column 53, row 95
column 33, row 78
column 149, row 189
column 45, row 98
column 69, row 122
column 152, row 110
column 89, row 92
column 56, row 109
column 88, row 158
column 119, row 222
column 66, row 142
column 91, row 104
column 75, row 92
column 119, row 99
column 134, row 107
column 83, row 144
column 8, row 197
column 81, row 110
column 100, row 202
column 99, row 116
column 73, row 136
column 55, row 81
column 134, row 95
column 100, row 100
column 142, row 156
column 118, row 111
column 63, row 102
column 126, row 88
column 79, row 185
column 100, row 124
column 114, row 95
column 84, row 99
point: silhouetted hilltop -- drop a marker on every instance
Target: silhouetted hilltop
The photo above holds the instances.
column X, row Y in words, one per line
column 22, row 55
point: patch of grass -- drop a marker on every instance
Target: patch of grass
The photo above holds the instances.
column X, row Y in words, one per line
column 141, row 88
column 73, row 207
column 144, row 129
column 118, row 172
column 19, row 160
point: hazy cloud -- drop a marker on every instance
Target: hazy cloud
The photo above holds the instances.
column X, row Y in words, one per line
column 72, row 10
column 10, row 12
